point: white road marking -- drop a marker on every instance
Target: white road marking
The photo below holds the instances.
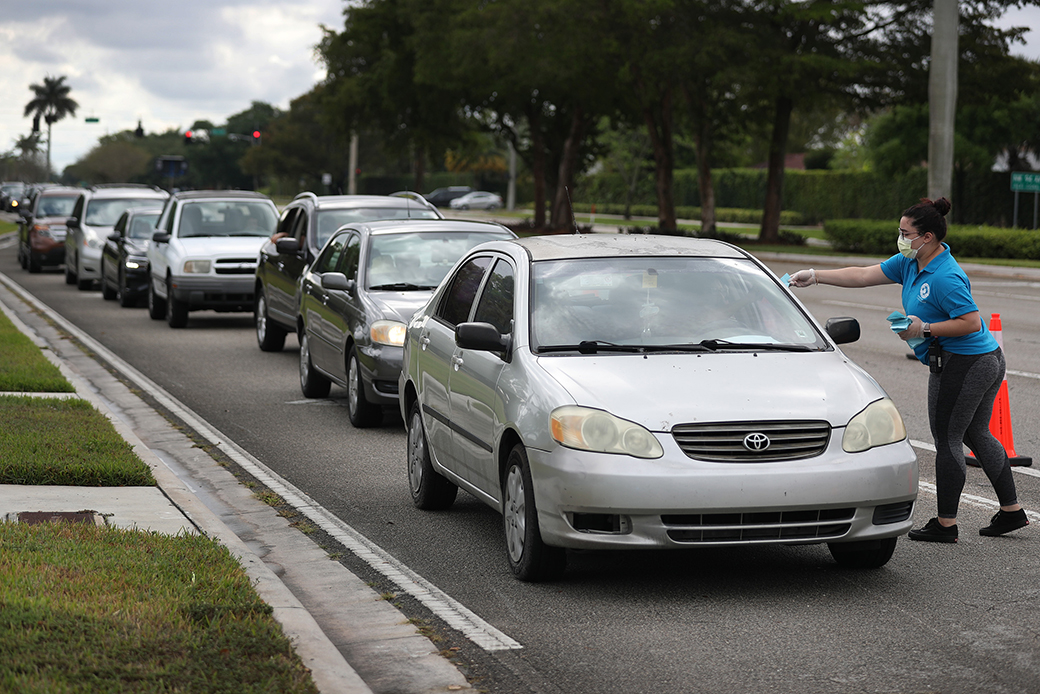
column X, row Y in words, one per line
column 1014, row 468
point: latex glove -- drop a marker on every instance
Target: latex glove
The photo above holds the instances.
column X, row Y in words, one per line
column 804, row 278
column 914, row 331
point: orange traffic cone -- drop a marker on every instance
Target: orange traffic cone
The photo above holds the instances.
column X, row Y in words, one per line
column 1000, row 422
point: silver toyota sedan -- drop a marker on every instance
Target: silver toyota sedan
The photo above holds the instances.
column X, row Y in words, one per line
column 625, row 392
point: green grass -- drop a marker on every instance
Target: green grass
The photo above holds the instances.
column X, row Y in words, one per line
column 67, row 441
column 96, row 610
column 23, row 367
column 6, row 227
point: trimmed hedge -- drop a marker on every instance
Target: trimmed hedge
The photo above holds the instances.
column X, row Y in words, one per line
column 874, row 237
column 722, row 214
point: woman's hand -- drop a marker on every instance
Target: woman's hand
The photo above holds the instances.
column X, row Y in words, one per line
column 803, row 278
column 916, row 329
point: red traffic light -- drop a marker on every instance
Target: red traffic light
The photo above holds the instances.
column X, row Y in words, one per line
column 188, row 135
column 256, row 134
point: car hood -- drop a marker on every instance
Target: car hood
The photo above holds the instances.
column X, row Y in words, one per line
column 136, row 246
column 222, row 245
column 660, row 391
column 400, row 306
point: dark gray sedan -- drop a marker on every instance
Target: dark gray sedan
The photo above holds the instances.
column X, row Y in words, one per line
column 359, row 294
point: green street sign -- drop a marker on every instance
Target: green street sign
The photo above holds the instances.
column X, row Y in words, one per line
column 218, row 131
column 91, row 119
column 1025, row 182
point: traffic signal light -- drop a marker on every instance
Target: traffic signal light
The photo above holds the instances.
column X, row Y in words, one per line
column 188, row 137
column 256, row 137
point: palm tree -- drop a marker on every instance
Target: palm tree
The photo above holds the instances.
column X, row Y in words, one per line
column 52, row 103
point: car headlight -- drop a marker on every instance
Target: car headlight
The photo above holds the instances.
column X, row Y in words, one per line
column 43, row 230
column 878, row 424
column 595, row 430
column 196, row 266
column 133, row 265
column 91, row 242
column 388, row 332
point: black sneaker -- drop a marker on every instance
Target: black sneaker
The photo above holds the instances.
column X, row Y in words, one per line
column 1004, row 522
column 933, row 531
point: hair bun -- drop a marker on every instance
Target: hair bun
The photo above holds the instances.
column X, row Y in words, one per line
column 942, row 206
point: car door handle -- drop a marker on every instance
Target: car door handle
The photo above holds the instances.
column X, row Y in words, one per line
column 456, row 362
column 424, row 341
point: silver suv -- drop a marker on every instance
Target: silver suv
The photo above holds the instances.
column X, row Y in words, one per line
column 91, row 221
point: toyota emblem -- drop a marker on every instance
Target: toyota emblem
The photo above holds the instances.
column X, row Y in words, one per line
column 756, row 442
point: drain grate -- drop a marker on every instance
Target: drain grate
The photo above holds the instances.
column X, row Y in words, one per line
column 41, row 517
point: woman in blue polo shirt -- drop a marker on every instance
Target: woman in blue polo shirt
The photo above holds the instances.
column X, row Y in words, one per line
column 937, row 300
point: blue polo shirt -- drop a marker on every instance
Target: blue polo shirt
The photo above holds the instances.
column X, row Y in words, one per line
column 937, row 293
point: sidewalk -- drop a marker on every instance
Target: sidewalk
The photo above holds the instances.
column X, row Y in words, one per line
column 352, row 640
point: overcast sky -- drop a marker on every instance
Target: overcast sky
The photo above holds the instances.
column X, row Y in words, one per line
column 169, row 64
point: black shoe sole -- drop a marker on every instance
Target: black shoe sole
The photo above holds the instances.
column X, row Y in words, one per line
column 927, row 537
column 988, row 531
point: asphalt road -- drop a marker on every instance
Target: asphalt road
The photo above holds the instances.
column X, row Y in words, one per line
column 937, row 618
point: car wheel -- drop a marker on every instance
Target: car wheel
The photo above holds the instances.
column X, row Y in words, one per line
column 864, row 554
column 34, row 264
column 431, row 491
column 362, row 412
column 176, row 310
column 269, row 336
column 529, row 557
column 312, row 383
column 70, row 274
column 156, row 305
column 22, row 259
column 125, row 297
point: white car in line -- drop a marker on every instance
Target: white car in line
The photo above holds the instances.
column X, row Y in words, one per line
column 477, row 200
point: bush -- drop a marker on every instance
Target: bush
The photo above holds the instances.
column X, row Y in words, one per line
column 967, row 241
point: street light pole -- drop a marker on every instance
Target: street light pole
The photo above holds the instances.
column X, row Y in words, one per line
column 942, row 98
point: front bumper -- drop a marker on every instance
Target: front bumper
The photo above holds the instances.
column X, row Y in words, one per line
column 599, row 501
column 215, row 293
column 380, row 372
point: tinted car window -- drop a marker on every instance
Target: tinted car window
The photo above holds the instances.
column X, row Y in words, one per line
column 106, row 212
column 458, row 300
column 351, row 258
column 143, row 226
column 496, row 301
column 330, row 220
column 330, row 257
column 56, row 205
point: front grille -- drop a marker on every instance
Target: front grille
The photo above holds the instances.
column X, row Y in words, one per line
column 734, row 442
column 759, row 526
column 235, row 266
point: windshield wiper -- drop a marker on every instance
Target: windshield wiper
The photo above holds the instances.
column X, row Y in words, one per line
column 592, row 347
column 400, row 286
column 715, row 345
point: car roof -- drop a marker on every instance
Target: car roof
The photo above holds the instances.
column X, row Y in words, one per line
column 218, row 194
column 402, row 226
column 572, row 246
column 343, row 202
column 109, row 190
column 134, row 211
column 61, row 190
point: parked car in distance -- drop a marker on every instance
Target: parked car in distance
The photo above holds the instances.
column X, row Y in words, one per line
column 124, row 257
column 42, row 227
column 304, row 226
column 204, row 251
column 357, row 296
column 91, row 221
column 441, row 197
column 627, row 392
column 477, row 200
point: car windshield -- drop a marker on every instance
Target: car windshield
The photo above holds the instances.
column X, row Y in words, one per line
column 143, row 226
column 105, row 212
column 57, row 205
column 330, row 220
column 662, row 303
column 419, row 260
column 227, row 218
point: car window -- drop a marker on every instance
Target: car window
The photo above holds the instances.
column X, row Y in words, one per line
column 143, row 226
column 663, row 301
column 227, row 218
column 299, row 229
column 329, row 258
column 351, row 257
column 120, row 226
column 496, row 301
column 457, row 301
column 330, row 220
column 105, row 212
column 420, row 259
column 288, row 220
column 168, row 227
column 56, row 205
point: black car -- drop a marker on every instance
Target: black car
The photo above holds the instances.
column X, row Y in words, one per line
column 358, row 296
column 124, row 263
column 442, row 197
column 303, row 228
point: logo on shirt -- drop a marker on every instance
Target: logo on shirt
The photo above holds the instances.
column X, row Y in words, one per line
column 925, row 290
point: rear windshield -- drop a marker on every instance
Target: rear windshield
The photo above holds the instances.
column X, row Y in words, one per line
column 106, row 212
column 56, row 205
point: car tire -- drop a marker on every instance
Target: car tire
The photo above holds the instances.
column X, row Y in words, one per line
column 863, row 554
column 34, row 264
column 156, row 305
column 431, row 491
column 362, row 413
column 269, row 336
column 530, row 559
column 312, row 383
column 123, row 295
column 22, row 260
column 108, row 293
column 70, row 274
column 176, row 310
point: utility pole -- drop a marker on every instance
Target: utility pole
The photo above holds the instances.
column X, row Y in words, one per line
column 942, row 98
column 352, row 174
column 511, row 188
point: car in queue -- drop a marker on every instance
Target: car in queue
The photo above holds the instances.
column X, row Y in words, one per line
column 357, row 296
column 11, row 195
column 477, row 200
column 92, row 220
column 43, row 225
column 204, row 251
column 124, row 257
column 304, row 226
column 442, row 197
column 647, row 392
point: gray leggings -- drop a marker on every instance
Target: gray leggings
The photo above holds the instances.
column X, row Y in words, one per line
column 960, row 405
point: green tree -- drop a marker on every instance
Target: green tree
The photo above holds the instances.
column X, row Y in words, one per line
column 117, row 159
column 51, row 102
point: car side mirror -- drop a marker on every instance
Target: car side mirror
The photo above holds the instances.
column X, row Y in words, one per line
column 287, row 246
column 72, row 223
column 115, row 236
column 481, row 336
column 842, row 330
column 161, row 237
column 337, row 280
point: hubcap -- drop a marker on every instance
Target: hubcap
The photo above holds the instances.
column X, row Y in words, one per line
column 353, row 385
column 305, row 359
column 261, row 318
column 513, row 513
column 416, row 452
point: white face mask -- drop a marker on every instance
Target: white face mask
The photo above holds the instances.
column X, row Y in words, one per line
column 906, row 247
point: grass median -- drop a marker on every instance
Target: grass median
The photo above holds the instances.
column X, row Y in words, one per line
column 88, row 609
